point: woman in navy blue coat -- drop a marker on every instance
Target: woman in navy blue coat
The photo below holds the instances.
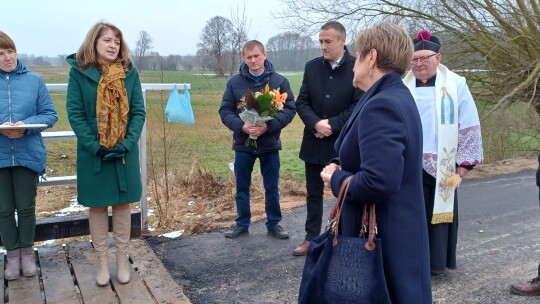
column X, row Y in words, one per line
column 381, row 147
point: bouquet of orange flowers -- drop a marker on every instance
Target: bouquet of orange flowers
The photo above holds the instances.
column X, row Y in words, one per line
column 258, row 107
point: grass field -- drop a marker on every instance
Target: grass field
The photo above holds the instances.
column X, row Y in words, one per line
column 208, row 141
column 207, row 144
column 509, row 133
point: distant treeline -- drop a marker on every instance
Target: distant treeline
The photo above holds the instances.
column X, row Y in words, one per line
column 282, row 58
column 291, row 60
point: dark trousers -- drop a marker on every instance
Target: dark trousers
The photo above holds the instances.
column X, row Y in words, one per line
column 243, row 167
column 314, row 200
column 18, row 190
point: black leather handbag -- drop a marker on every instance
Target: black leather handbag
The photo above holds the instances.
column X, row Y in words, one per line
column 341, row 269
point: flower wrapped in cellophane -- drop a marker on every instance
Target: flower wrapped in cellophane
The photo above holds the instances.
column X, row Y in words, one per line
column 259, row 107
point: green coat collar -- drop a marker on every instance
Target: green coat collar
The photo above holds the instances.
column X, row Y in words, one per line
column 91, row 72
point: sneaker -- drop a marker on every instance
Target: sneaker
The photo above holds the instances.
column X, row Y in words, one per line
column 531, row 288
column 278, row 232
column 236, row 231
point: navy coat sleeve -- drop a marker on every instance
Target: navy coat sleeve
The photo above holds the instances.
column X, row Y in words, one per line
column 381, row 139
column 228, row 111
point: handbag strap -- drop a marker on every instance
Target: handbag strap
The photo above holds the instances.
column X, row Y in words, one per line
column 370, row 244
column 365, row 221
column 369, row 218
column 369, row 225
column 334, row 210
column 335, row 214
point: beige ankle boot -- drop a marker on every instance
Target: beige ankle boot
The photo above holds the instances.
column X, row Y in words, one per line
column 99, row 230
column 13, row 267
column 28, row 262
column 121, row 232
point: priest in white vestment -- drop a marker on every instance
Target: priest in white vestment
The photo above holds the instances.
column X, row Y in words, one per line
column 452, row 143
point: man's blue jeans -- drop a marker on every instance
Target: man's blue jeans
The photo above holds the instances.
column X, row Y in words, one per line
column 243, row 167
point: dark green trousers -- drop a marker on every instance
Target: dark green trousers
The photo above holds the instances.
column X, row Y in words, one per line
column 18, row 190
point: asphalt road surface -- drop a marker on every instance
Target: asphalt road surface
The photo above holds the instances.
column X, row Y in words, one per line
column 499, row 244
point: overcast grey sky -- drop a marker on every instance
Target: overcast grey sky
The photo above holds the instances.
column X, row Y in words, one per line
column 56, row 27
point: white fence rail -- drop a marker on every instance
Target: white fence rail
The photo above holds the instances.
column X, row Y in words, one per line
column 69, row 135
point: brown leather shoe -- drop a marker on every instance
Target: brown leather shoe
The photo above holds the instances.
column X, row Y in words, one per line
column 531, row 288
column 302, row 249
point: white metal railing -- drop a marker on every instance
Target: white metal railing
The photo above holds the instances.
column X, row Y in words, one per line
column 69, row 135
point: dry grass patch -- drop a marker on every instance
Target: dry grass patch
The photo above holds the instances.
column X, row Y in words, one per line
column 200, row 201
column 51, row 199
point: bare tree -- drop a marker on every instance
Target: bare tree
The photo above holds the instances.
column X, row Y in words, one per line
column 499, row 37
column 142, row 47
column 238, row 38
column 290, row 51
column 160, row 154
column 28, row 60
column 155, row 61
column 172, row 62
column 189, row 62
column 41, row 61
column 204, row 59
column 62, row 60
column 215, row 43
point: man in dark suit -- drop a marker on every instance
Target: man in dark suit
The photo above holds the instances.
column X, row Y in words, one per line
column 326, row 100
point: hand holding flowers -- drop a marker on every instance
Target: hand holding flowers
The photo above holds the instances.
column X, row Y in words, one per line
column 255, row 130
column 257, row 108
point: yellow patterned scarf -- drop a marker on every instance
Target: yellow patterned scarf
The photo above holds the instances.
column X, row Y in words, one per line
column 112, row 105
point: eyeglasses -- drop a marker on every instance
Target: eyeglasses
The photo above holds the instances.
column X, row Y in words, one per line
column 422, row 59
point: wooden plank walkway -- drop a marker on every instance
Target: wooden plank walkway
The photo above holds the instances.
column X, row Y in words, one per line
column 66, row 275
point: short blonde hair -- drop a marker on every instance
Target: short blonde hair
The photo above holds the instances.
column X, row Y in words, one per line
column 87, row 54
column 393, row 45
column 251, row 45
column 6, row 43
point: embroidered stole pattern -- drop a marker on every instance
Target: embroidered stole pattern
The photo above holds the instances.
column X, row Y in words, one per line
column 447, row 142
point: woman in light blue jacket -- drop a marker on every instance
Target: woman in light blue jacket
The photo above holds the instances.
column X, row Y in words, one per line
column 24, row 103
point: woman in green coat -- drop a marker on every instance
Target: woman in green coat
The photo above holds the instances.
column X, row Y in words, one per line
column 106, row 111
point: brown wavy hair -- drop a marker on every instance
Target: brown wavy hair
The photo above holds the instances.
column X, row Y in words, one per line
column 87, row 55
